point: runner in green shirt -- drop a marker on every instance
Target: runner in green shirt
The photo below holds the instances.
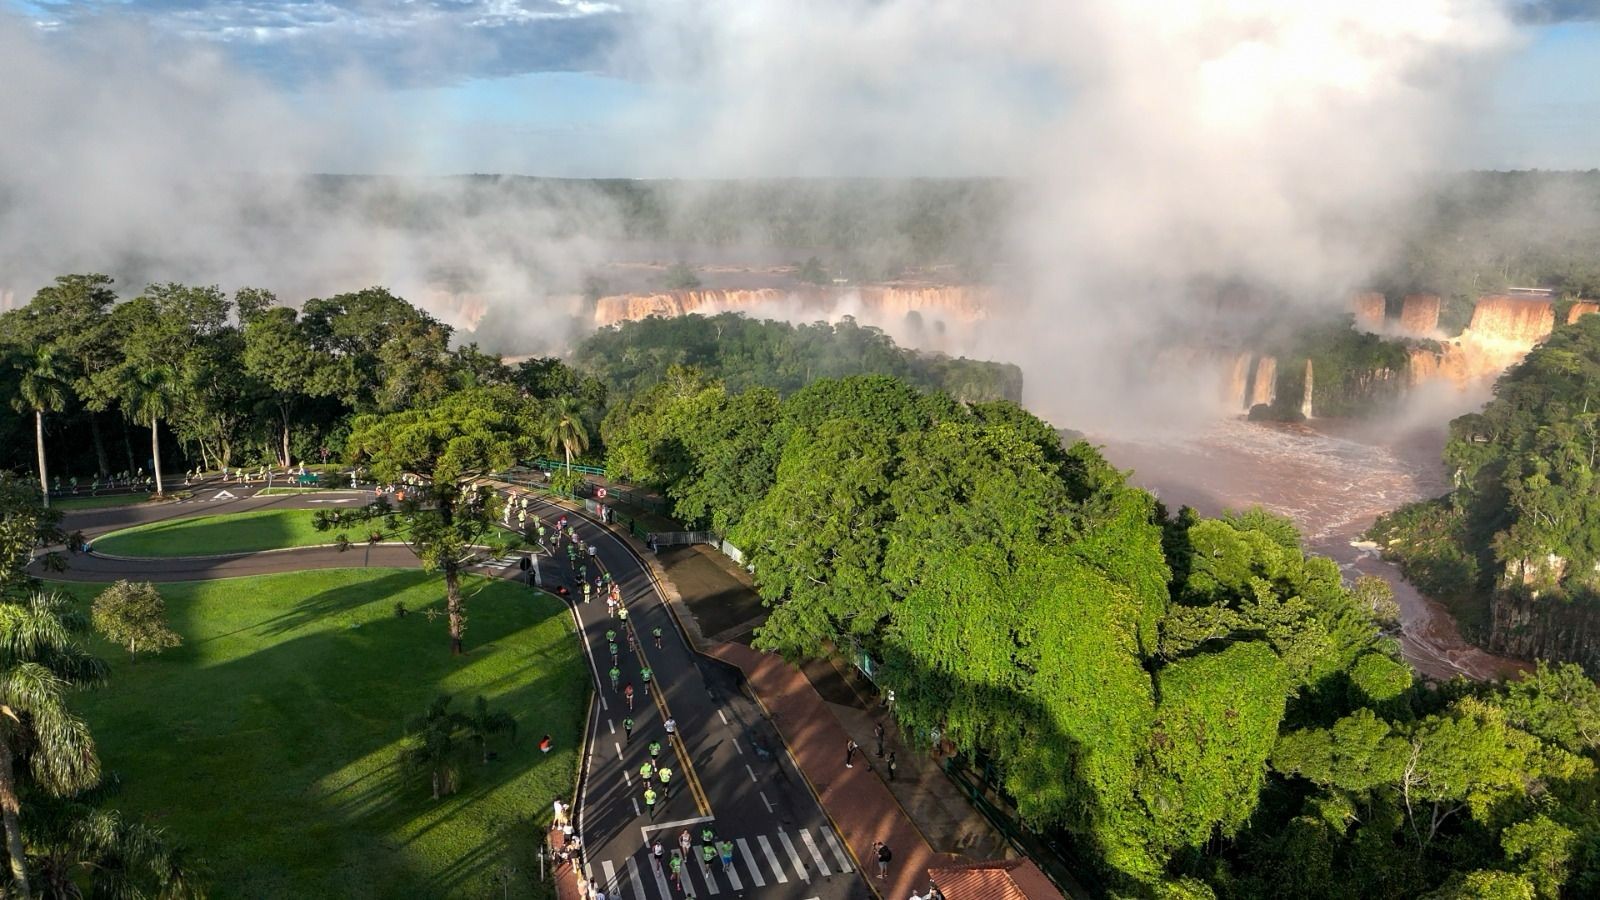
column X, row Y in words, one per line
column 655, row 749
column 644, row 675
column 615, row 674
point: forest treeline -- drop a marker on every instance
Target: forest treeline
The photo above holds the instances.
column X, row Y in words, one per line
column 1196, row 704
column 1515, row 546
column 210, row 379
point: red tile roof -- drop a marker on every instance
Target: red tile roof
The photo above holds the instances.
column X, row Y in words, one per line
column 1006, row 879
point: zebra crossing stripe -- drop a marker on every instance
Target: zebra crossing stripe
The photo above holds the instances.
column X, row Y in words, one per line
column 633, row 875
column 838, row 851
column 710, row 877
column 661, row 879
column 750, row 861
column 732, row 871
column 788, row 846
column 611, row 876
column 772, row 858
column 822, row 864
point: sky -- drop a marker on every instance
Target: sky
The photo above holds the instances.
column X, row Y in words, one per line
column 583, row 88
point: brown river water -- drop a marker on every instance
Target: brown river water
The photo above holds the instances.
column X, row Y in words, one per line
column 1333, row 479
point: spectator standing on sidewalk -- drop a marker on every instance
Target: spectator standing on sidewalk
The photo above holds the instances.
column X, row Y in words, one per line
column 850, row 749
column 877, row 732
column 881, row 850
column 891, row 765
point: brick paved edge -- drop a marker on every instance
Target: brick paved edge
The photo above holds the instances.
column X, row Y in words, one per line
column 855, row 800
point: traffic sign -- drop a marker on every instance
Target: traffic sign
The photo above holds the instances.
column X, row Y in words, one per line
column 600, row 492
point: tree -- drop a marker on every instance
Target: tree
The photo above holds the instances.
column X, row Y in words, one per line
column 680, row 277
column 483, row 724
column 148, row 396
column 134, row 614
column 279, row 353
column 431, row 746
column 71, row 317
column 564, row 429
column 73, row 844
column 42, row 742
column 42, row 389
column 450, row 446
column 812, row 271
column 26, row 524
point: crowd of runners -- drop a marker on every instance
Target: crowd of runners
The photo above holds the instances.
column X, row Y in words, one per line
column 630, row 679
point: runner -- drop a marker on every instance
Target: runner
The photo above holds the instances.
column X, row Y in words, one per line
column 613, row 653
column 656, row 853
column 646, row 771
column 655, row 749
column 586, row 592
column 671, row 725
column 650, row 801
column 627, row 724
column 656, row 633
column 708, row 835
column 726, row 849
column 685, row 841
column 611, row 636
column 627, row 693
column 615, row 674
column 677, row 869
column 611, row 605
column 644, row 675
column 707, row 854
column 622, row 613
column 665, row 774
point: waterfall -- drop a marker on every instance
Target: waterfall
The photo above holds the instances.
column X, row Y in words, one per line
column 1264, row 389
column 1237, row 390
column 1305, row 402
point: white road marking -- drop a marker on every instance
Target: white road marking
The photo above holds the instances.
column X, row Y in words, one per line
column 635, row 807
column 709, row 876
column 723, row 715
column 626, row 779
column 633, row 875
column 224, row 495
column 738, row 748
column 731, row 870
column 772, row 859
column 611, row 877
column 752, row 773
column 838, row 851
column 764, row 799
column 619, row 749
column 660, row 872
column 613, row 726
column 788, row 847
column 750, row 862
column 822, row 864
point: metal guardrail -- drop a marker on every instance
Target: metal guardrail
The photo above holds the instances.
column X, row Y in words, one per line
column 551, row 465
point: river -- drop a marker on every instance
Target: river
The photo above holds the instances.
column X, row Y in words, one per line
column 1332, row 479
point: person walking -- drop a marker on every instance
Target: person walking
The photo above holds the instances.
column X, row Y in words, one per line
column 665, row 774
column 891, row 765
column 850, row 746
column 627, row 724
column 881, row 851
column 650, row 801
column 877, row 732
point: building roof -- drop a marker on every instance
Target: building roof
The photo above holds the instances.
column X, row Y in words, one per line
column 1001, row 879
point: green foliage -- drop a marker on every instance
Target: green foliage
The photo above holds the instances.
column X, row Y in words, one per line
column 812, row 271
column 25, row 525
column 133, row 615
column 680, row 277
column 632, row 357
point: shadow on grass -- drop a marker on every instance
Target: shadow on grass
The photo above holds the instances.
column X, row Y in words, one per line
column 280, row 765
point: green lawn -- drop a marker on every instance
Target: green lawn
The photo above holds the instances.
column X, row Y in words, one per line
column 267, row 742
column 88, row 502
column 265, row 529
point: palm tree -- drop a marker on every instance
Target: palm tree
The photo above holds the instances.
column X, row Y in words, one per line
column 433, row 745
column 150, row 399
column 564, row 429
column 43, row 389
column 73, row 844
column 482, row 724
column 40, row 663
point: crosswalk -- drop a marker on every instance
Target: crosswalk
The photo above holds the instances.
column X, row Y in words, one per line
column 759, row 861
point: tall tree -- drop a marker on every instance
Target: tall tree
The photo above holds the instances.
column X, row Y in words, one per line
column 278, row 351
column 41, row 739
column 449, row 446
column 72, row 317
column 564, row 428
column 41, row 389
column 148, row 396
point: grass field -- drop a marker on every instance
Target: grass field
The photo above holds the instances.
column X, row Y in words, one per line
column 265, row 529
column 103, row 502
column 267, row 742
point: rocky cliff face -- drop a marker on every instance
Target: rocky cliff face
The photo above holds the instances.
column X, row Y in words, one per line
column 1526, row 627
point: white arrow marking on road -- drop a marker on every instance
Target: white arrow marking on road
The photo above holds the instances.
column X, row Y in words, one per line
column 224, row 495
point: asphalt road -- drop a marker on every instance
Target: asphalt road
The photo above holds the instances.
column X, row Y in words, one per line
column 731, row 772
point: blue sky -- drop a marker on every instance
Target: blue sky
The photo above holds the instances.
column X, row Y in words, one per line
column 528, row 85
